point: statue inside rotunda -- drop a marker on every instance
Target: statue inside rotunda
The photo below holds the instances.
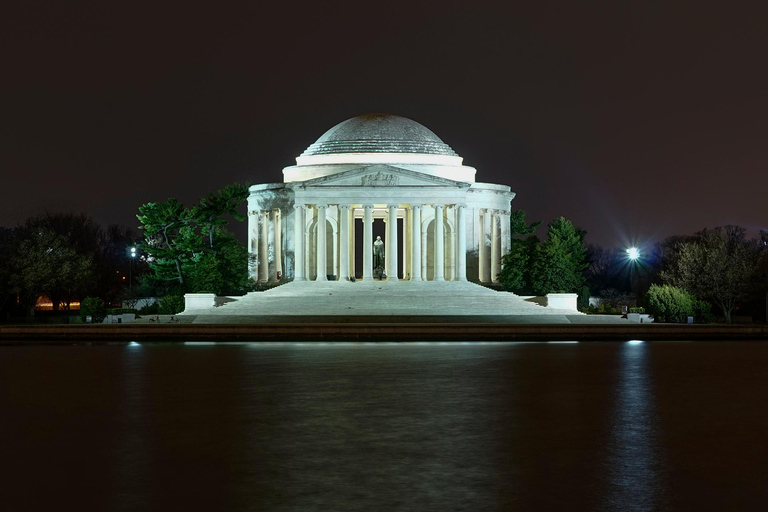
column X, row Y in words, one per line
column 386, row 178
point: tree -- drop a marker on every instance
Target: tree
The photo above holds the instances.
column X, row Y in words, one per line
column 169, row 238
column 47, row 264
column 535, row 268
column 560, row 261
column 718, row 265
column 515, row 275
column 192, row 246
column 211, row 213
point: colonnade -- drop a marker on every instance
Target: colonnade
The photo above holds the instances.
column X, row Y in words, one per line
column 265, row 233
column 493, row 242
column 491, row 230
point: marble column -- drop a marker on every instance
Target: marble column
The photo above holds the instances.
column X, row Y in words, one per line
column 264, row 247
column 392, row 242
column 352, row 242
column 504, row 219
column 495, row 247
column 424, row 255
column 344, row 235
column 278, row 227
column 273, row 244
column 406, row 249
column 484, row 256
column 253, row 245
column 298, row 243
column 368, row 242
column 439, row 244
column 461, row 244
column 416, row 242
column 322, row 267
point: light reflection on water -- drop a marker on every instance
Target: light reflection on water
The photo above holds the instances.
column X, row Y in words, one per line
column 634, row 459
column 387, row 426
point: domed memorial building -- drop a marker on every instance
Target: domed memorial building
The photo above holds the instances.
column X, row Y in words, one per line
column 378, row 197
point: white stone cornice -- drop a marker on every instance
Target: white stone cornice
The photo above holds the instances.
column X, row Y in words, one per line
column 383, row 176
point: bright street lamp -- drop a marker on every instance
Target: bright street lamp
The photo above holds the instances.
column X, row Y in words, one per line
column 130, row 273
column 633, row 253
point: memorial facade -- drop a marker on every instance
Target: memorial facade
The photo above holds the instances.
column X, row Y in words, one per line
column 376, row 176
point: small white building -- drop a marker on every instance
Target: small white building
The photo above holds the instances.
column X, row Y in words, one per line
column 378, row 175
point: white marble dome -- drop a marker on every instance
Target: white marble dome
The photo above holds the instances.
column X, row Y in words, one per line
column 379, row 139
column 379, row 133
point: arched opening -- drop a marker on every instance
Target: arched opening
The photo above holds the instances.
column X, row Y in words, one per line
column 449, row 254
column 330, row 250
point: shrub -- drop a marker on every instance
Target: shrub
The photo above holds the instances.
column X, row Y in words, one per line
column 602, row 309
column 93, row 307
column 669, row 304
column 637, row 310
column 583, row 301
column 170, row 305
column 702, row 312
column 151, row 309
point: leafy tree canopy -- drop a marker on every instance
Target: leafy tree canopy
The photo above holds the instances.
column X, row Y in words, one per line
column 561, row 260
column 719, row 265
column 515, row 275
column 46, row 263
column 190, row 246
column 532, row 267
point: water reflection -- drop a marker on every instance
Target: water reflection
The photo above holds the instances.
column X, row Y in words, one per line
column 635, row 460
column 371, row 427
column 535, row 426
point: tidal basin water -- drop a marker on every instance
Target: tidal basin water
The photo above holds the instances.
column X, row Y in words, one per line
column 497, row 426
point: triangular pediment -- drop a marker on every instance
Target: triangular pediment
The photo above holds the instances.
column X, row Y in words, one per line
column 382, row 175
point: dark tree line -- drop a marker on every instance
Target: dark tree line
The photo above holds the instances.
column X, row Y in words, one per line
column 65, row 257
column 721, row 266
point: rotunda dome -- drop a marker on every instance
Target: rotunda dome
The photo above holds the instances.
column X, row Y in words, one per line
column 379, row 133
column 379, row 139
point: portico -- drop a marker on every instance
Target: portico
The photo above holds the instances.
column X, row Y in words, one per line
column 318, row 225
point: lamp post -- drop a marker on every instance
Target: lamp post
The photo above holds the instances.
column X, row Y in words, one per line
column 633, row 253
column 130, row 274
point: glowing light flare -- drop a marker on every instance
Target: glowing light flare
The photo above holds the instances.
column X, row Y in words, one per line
column 633, row 253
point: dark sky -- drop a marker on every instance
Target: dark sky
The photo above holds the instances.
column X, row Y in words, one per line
column 636, row 120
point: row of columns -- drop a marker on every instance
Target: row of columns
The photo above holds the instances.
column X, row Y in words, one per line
column 265, row 231
column 413, row 249
column 265, row 228
column 493, row 243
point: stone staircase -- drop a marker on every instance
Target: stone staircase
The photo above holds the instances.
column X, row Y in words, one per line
column 378, row 299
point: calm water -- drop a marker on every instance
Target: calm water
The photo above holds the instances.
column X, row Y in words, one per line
column 544, row 426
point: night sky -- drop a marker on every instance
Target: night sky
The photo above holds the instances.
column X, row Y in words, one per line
column 637, row 120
